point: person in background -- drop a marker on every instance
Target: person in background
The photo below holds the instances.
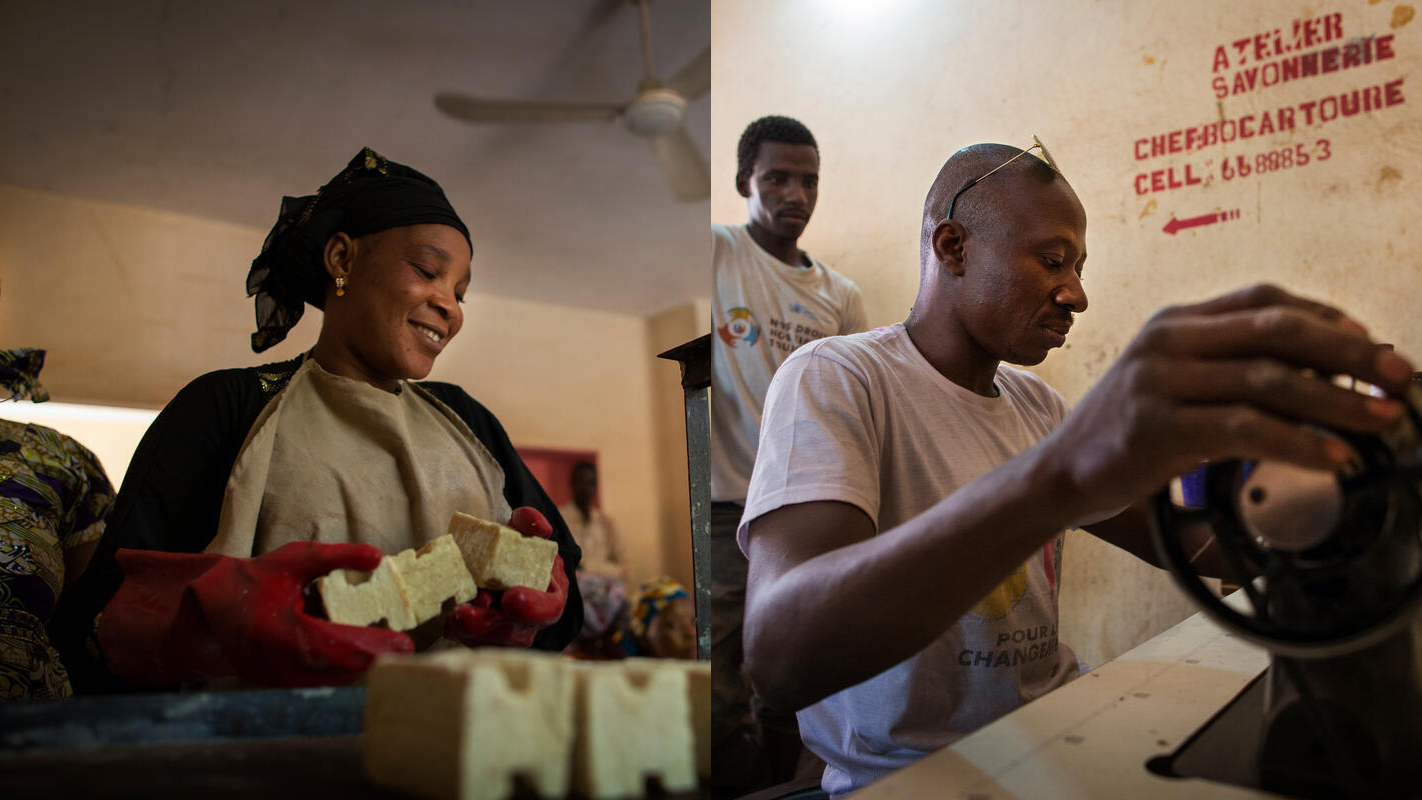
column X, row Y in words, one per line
column 254, row 481
column 592, row 529
column 662, row 623
column 602, row 573
column 54, row 497
column 769, row 297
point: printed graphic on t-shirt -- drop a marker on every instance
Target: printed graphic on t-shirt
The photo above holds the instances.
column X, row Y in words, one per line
column 1002, row 599
column 1052, row 562
column 740, row 330
column 999, row 601
column 1014, row 648
column 785, row 335
column 799, row 308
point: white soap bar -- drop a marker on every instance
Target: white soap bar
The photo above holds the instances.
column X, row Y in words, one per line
column 461, row 724
column 352, row 597
column 432, row 575
column 499, row 557
column 698, row 676
column 634, row 721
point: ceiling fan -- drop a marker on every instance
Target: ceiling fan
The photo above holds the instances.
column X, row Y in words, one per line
column 656, row 113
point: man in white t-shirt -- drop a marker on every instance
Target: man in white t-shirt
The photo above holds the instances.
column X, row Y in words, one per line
column 904, row 520
column 770, row 297
column 591, row 528
column 603, row 571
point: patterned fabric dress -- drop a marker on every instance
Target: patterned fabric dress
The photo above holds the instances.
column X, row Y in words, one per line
column 54, row 497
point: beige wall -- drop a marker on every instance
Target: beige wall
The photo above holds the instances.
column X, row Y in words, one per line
column 891, row 89
column 132, row 303
column 110, row 433
column 667, row 330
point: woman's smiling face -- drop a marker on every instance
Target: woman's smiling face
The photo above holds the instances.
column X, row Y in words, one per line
column 401, row 302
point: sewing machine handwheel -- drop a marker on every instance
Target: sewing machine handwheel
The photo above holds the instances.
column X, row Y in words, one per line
column 1289, row 574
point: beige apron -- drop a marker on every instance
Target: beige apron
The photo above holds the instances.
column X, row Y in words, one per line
column 333, row 459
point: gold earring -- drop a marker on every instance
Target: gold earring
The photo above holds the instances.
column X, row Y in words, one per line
column 340, row 286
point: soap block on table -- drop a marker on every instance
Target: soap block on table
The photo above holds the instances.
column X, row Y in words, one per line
column 698, row 676
column 461, row 724
column 634, row 722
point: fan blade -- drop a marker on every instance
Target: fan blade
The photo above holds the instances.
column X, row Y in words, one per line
column 685, row 168
column 695, row 78
column 600, row 13
column 475, row 109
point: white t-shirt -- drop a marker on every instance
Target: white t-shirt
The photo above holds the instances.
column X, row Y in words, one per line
column 602, row 547
column 866, row 420
column 762, row 309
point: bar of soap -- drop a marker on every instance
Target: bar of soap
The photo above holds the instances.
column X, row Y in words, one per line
column 634, row 721
column 352, row 597
column 432, row 575
column 500, row 557
column 462, row 724
column 698, row 676
column 406, row 590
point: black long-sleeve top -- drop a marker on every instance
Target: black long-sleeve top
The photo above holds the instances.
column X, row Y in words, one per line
column 172, row 496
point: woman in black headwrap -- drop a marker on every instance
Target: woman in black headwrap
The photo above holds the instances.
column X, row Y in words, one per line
column 277, row 474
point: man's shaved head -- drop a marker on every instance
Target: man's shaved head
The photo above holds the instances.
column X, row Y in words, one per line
column 1001, row 280
column 977, row 207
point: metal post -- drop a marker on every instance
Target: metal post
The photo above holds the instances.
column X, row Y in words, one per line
column 695, row 359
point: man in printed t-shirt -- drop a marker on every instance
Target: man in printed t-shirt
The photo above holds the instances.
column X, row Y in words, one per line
column 905, row 517
column 770, row 298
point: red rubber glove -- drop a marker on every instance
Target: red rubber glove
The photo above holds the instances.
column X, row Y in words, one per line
column 181, row 617
column 522, row 611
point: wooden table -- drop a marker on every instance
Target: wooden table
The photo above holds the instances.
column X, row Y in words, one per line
column 247, row 745
column 1092, row 738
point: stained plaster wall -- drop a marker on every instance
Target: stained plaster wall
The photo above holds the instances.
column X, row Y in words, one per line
column 132, row 303
column 892, row 88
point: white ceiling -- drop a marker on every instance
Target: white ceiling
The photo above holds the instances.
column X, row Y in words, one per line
column 217, row 109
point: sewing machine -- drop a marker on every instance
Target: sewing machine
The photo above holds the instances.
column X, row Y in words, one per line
column 1330, row 571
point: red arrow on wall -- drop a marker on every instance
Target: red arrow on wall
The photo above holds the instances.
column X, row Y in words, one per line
column 1194, row 222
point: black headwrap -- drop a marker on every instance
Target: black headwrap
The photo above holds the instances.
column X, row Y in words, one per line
column 370, row 195
column 19, row 374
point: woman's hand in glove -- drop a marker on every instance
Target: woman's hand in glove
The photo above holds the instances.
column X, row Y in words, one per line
column 521, row 612
column 181, row 617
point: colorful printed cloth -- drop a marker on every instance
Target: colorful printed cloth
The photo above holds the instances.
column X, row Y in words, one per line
column 646, row 605
column 604, row 599
column 19, row 373
column 54, row 496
